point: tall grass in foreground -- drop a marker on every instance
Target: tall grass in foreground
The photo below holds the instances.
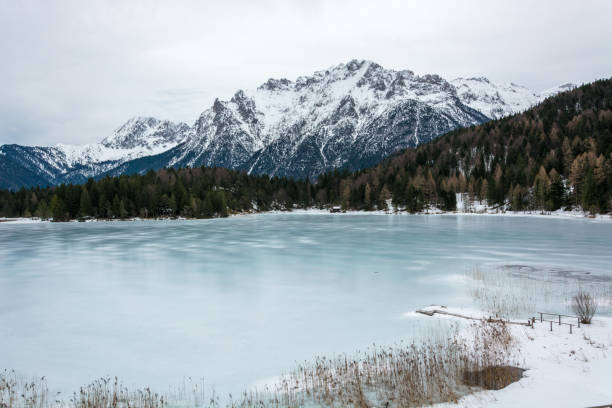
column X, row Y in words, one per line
column 16, row 391
column 105, row 392
column 440, row 369
column 102, row 393
column 436, row 370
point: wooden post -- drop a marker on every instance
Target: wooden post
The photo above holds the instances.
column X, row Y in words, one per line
column 551, row 325
column 559, row 320
column 570, row 328
column 540, row 317
column 578, row 322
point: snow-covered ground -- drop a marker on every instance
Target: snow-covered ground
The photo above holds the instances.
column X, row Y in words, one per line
column 559, row 214
column 563, row 369
column 464, row 206
column 20, row 220
column 573, row 214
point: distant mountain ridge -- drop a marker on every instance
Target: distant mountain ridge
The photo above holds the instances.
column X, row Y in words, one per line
column 351, row 115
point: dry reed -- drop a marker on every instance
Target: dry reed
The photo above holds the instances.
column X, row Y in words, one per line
column 422, row 373
column 107, row 393
column 439, row 369
column 18, row 392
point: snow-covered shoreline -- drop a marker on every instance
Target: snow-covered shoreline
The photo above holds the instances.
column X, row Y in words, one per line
column 559, row 214
column 563, row 369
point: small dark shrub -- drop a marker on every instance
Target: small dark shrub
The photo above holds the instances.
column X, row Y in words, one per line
column 585, row 306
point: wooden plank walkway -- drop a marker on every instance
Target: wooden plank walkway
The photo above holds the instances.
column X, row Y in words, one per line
column 530, row 322
column 431, row 312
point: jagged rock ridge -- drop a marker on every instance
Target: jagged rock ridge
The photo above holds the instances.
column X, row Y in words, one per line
column 349, row 116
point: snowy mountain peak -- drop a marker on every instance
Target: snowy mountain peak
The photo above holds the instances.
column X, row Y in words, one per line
column 350, row 115
column 146, row 132
column 476, row 79
column 276, row 84
column 354, row 64
column 498, row 100
column 557, row 89
column 494, row 100
column 566, row 87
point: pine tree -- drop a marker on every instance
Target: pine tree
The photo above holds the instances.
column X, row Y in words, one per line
column 589, row 199
column 576, row 177
column 555, row 194
column 207, row 206
column 42, row 210
column 122, row 211
column 367, row 200
column 116, row 207
column 540, row 189
column 484, row 190
column 58, row 211
column 85, row 208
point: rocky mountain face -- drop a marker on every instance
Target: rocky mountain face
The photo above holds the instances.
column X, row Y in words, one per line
column 147, row 133
column 349, row 116
column 24, row 166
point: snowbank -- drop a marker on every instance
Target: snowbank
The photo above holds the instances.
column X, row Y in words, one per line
column 20, row 220
column 563, row 369
column 559, row 214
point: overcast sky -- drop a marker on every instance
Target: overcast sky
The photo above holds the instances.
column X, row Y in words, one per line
column 73, row 71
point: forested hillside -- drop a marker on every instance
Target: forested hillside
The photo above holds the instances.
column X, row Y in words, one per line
column 558, row 154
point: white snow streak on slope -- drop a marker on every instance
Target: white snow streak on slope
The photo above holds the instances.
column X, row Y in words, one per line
column 495, row 100
column 95, row 153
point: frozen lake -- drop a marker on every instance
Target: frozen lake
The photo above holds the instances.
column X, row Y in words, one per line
column 240, row 300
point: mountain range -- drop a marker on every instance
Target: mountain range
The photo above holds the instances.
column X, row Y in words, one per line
column 349, row 116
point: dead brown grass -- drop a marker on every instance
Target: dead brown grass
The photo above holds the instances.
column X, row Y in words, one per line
column 438, row 369
column 18, row 392
column 418, row 374
column 108, row 393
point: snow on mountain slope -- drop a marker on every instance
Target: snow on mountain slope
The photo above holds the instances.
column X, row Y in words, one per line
column 351, row 115
column 61, row 163
column 138, row 137
column 499, row 100
column 371, row 88
column 147, row 133
column 557, row 89
column 494, row 100
column 323, row 121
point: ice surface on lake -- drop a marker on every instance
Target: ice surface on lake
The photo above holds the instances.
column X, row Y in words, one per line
column 240, row 300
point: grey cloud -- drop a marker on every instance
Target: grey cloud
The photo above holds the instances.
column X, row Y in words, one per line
column 73, row 71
